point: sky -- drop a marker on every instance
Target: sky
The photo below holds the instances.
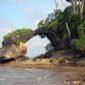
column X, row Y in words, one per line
column 16, row 14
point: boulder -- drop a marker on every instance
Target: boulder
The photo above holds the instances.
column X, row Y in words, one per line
column 13, row 51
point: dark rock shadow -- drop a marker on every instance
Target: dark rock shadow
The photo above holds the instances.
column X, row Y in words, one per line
column 4, row 61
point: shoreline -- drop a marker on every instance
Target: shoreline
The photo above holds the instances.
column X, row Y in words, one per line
column 44, row 65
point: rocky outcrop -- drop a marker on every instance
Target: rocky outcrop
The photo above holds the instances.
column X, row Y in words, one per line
column 53, row 34
column 13, row 51
column 15, row 38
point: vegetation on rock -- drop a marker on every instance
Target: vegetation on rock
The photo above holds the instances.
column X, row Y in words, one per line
column 15, row 37
column 17, row 33
column 55, row 26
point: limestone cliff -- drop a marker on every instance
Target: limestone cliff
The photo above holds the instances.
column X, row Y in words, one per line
column 13, row 51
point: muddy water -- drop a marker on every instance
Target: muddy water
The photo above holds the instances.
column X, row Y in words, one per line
column 32, row 76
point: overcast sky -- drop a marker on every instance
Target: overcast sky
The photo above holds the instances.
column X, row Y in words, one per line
column 15, row 14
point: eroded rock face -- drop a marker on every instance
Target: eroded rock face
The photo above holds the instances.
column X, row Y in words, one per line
column 13, row 51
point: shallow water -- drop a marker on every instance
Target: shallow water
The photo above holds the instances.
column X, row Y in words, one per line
column 25, row 76
column 35, row 76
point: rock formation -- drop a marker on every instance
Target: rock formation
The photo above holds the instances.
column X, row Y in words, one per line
column 13, row 51
column 20, row 35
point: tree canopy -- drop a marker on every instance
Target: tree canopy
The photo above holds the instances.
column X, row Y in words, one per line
column 58, row 19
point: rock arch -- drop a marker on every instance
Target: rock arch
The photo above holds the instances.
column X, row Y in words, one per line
column 53, row 35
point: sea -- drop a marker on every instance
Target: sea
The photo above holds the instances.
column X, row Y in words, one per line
column 30, row 76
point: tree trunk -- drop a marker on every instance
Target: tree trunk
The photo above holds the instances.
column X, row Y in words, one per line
column 69, row 33
column 74, row 6
column 81, row 5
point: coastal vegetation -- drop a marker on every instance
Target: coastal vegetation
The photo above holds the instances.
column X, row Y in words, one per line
column 66, row 26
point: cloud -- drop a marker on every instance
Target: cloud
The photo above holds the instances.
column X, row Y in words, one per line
column 6, row 26
column 36, row 46
column 5, row 23
column 37, row 41
column 34, row 13
column 3, row 32
column 39, row 44
column 62, row 4
column 35, row 25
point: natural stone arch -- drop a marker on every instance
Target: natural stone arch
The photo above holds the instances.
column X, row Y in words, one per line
column 53, row 35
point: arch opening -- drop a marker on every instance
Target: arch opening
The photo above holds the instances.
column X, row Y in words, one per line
column 36, row 46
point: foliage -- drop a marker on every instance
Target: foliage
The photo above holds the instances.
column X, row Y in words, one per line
column 81, row 29
column 16, row 33
column 51, row 21
column 72, row 20
column 16, row 36
column 76, row 26
column 58, row 19
column 79, row 44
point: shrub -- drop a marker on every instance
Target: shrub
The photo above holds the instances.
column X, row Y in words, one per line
column 79, row 44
